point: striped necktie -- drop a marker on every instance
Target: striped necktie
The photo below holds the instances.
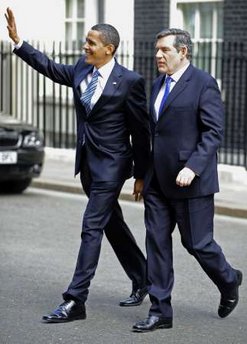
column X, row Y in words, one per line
column 89, row 92
column 166, row 93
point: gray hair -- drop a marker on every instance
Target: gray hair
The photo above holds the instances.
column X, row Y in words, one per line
column 182, row 39
column 109, row 34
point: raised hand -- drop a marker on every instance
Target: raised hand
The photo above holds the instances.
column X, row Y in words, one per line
column 12, row 26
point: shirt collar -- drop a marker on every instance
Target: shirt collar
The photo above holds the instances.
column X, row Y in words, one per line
column 106, row 70
column 176, row 76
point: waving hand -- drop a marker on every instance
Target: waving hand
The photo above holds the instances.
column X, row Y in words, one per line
column 12, row 26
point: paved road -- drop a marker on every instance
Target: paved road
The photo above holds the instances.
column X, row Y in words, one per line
column 40, row 233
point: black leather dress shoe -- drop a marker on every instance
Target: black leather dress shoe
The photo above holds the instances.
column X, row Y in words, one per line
column 67, row 311
column 152, row 323
column 228, row 303
column 135, row 299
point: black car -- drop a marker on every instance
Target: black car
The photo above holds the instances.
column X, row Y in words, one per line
column 21, row 154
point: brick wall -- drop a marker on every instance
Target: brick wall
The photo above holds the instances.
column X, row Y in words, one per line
column 235, row 20
column 150, row 18
column 234, row 80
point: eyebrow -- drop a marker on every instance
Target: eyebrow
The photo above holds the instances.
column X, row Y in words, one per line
column 163, row 48
column 89, row 40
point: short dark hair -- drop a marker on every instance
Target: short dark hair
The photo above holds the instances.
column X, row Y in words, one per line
column 182, row 38
column 109, row 34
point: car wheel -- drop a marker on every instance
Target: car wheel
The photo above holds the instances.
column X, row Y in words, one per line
column 15, row 186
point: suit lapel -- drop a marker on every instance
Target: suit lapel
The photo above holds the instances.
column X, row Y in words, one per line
column 82, row 75
column 111, row 86
column 156, row 88
column 179, row 87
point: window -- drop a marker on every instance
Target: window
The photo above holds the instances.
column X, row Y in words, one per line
column 204, row 20
column 74, row 20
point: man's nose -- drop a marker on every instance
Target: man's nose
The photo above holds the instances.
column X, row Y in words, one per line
column 158, row 54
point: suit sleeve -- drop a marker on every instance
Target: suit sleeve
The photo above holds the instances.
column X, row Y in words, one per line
column 211, row 119
column 59, row 73
column 138, row 122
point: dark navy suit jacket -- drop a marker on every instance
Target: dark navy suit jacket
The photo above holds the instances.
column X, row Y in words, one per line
column 116, row 132
column 187, row 133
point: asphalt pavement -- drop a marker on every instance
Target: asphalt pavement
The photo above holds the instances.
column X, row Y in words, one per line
column 40, row 233
column 58, row 174
column 39, row 242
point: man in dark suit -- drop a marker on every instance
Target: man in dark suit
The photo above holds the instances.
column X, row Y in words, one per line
column 187, row 126
column 110, row 105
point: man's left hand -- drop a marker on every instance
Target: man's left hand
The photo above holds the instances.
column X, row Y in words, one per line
column 138, row 187
column 185, row 177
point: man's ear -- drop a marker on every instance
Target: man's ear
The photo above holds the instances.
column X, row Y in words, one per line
column 183, row 51
column 110, row 49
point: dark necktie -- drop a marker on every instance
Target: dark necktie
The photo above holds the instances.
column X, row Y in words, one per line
column 166, row 93
column 89, row 92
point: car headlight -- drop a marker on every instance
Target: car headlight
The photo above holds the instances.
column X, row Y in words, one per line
column 33, row 139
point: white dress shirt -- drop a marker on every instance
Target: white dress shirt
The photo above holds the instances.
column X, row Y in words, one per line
column 175, row 77
column 105, row 72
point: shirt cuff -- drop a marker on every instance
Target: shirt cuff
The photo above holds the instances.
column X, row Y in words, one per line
column 18, row 45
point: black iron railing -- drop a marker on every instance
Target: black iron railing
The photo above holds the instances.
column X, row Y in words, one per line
column 35, row 99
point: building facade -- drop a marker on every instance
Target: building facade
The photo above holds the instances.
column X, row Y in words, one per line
column 217, row 28
column 204, row 19
column 68, row 20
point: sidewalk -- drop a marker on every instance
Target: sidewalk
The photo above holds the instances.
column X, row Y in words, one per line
column 58, row 174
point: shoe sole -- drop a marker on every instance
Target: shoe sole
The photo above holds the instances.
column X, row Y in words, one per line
column 240, row 278
column 160, row 327
column 133, row 304
column 57, row 321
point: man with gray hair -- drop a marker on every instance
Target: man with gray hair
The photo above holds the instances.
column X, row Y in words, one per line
column 186, row 116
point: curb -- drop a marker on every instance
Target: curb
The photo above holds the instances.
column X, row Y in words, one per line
column 62, row 187
column 230, row 211
column 220, row 209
